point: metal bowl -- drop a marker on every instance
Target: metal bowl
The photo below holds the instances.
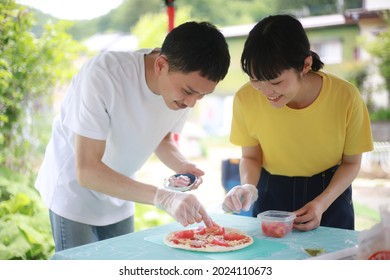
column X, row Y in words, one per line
column 192, row 178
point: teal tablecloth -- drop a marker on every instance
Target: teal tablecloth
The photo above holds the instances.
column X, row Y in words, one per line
column 148, row 244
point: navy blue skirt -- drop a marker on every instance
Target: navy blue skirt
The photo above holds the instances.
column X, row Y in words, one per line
column 291, row 193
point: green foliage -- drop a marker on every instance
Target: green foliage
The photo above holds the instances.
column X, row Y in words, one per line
column 126, row 16
column 380, row 115
column 154, row 35
column 379, row 49
column 120, row 19
column 30, row 69
column 357, row 74
column 25, row 228
column 234, row 12
column 147, row 216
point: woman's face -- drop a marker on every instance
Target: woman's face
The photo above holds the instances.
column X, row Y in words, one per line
column 282, row 90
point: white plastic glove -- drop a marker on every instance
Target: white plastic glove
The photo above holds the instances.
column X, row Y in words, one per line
column 183, row 207
column 240, row 197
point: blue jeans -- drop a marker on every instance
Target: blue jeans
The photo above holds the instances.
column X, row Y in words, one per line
column 68, row 234
column 291, row 193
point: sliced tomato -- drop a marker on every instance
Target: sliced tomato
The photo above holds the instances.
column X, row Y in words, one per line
column 275, row 229
column 184, row 234
column 265, row 229
column 279, row 232
column 215, row 230
column 175, row 241
column 221, row 231
column 219, row 242
column 200, row 230
column 231, row 236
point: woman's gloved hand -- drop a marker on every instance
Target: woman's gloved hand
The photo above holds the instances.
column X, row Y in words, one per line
column 183, row 207
column 240, row 197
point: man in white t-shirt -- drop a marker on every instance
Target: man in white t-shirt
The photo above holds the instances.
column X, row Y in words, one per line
column 119, row 109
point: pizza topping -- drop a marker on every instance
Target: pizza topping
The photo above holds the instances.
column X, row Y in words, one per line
column 197, row 243
column 213, row 239
column 275, row 229
column 314, row 251
column 231, row 236
column 215, row 230
column 180, row 181
column 175, row 241
column 200, row 230
column 276, row 223
column 184, row 234
column 219, row 242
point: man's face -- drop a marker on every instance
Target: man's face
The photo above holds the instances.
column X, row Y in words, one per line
column 182, row 90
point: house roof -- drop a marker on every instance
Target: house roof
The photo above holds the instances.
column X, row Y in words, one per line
column 376, row 5
column 370, row 9
column 307, row 22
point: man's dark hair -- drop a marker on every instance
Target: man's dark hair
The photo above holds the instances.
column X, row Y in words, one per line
column 197, row 46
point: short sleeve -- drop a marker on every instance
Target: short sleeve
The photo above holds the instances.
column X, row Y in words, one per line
column 359, row 133
column 240, row 134
column 87, row 112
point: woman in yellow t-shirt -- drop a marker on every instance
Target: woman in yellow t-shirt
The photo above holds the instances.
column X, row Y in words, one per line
column 302, row 130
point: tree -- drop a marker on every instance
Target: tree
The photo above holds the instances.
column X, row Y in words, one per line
column 379, row 48
column 120, row 19
column 154, row 35
column 128, row 13
column 30, row 69
column 234, row 12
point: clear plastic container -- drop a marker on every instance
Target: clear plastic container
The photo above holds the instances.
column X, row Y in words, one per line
column 276, row 223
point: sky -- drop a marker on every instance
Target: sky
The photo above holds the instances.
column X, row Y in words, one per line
column 73, row 9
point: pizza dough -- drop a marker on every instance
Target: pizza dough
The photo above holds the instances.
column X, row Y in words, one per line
column 215, row 239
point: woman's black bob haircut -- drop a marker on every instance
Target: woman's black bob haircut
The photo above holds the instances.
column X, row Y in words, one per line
column 275, row 44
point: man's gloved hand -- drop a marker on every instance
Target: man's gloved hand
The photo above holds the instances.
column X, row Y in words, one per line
column 183, row 207
column 240, row 197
